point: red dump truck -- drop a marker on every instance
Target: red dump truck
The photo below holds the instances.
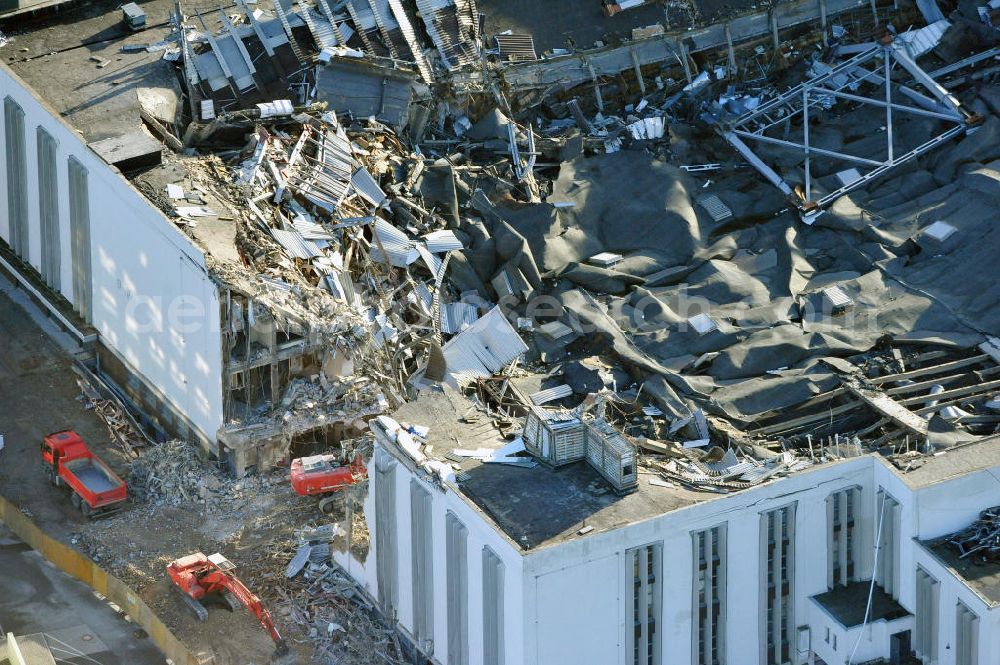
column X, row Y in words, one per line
column 68, row 462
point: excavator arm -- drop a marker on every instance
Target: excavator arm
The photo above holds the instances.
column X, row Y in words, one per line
column 218, row 580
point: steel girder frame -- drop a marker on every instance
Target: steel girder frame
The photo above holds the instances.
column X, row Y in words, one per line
column 752, row 125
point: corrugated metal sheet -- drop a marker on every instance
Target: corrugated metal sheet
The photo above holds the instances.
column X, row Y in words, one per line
column 457, row 316
column 483, row 349
column 365, row 185
column 550, row 395
column 516, row 48
column 714, row 206
column 326, row 180
column 432, row 262
column 442, row 24
column 440, row 242
column 647, row 129
column 555, row 330
column 400, row 249
column 310, row 230
column 919, row 42
column 297, row 246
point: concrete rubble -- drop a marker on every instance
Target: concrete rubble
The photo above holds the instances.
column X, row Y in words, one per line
column 546, row 247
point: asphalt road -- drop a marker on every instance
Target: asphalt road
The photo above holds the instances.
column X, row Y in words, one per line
column 39, row 395
column 38, row 600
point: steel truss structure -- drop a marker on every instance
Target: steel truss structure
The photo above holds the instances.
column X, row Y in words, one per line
column 846, row 81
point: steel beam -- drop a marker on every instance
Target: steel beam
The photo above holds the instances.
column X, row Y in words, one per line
column 758, row 163
column 886, row 167
column 798, row 147
column 939, row 91
column 944, row 106
column 805, row 140
column 888, row 103
column 939, row 115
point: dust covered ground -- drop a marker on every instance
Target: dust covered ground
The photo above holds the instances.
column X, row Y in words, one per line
column 187, row 507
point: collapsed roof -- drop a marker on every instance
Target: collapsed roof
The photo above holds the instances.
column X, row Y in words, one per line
column 409, row 214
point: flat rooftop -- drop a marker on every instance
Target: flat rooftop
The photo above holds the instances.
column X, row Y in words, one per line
column 73, row 59
column 556, row 24
column 847, row 604
column 574, row 495
column 983, row 577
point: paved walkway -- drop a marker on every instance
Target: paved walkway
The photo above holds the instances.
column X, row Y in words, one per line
column 52, row 609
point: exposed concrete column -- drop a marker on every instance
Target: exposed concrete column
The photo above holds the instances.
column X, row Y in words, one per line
column 685, row 62
column 638, row 71
column 730, row 51
column 597, row 88
column 822, row 21
column 275, row 392
column 874, row 11
column 774, row 27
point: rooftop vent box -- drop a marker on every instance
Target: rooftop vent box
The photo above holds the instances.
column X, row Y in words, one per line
column 612, row 455
column 939, row 231
column 134, row 16
column 702, row 324
column 605, row 259
column 837, row 300
column 554, row 437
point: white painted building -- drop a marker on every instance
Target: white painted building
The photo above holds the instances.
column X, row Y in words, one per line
column 546, row 567
column 198, row 355
column 126, row 269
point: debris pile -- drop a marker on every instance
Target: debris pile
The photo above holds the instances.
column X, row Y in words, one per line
column 342, row 626
column 981, row 541
column 172, row 474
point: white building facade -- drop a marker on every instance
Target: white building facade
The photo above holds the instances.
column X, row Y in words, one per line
column 124, row 267
column 728, row 581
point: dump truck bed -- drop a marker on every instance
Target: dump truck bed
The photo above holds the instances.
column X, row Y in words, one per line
column 95, row 482
column 92, row 475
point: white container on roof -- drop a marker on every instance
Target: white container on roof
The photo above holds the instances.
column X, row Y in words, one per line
column 554, row 437
column 939, row 231
column 702, row 324
column 605, row 259
column 836, row 299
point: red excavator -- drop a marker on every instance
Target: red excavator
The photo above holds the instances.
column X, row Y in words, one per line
column 326, row 475
column 198, row 578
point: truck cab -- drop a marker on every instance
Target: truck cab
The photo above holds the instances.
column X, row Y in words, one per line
column 61, row 446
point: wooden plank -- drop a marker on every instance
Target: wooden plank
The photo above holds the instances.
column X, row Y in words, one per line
column 889, row 408
column 955, row 392
column 926, row 371
column 951, row 402
column 652, row 446
column 943, row 381
column 805, row 420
